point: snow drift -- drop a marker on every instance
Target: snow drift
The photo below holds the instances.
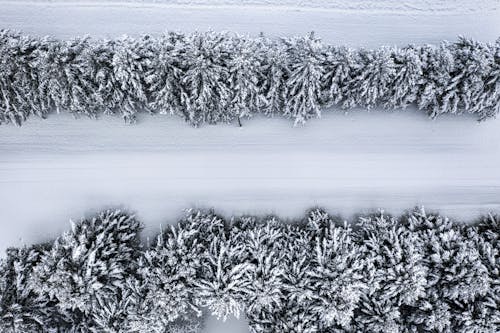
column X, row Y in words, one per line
column 321, row 274
column 221, row 77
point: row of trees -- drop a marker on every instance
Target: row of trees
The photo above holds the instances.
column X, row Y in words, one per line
column 219, row 77
column 415, row 273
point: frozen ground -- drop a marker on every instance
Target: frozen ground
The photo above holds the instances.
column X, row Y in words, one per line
column 62, row 168
column 58, row 168
column 404, row 6
column 387, row 24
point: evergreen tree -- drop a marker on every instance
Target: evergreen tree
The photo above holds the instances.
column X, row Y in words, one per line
column 245, row 75
column 64, row 84
column 167, row 274
column 263, row 243
column 87, row 268
column 165, row 73
column 336, row 273
column 306, row 57
column 21, row 307
column 397, row 274
column 205, row 94
column 340, row 66
column 132, row 61
column 19, row 78
column 275, row 72
column 222, row 285
column 457, row 280
column 408, row 72
column 475, row 64
column 436, row 92
column 373, row 77
column 106, row 92
column 488, row 102
column 417, row 273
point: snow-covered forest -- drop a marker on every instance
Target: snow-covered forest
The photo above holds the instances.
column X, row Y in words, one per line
column 419, row 272
column 220, row 77
column 346, row 105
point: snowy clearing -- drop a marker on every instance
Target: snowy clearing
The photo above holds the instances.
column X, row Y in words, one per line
column 61, row 167
column 404, row 6
column 352, row 27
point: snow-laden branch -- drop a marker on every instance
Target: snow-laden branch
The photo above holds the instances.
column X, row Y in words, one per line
column 416, row 273
column 220, row 77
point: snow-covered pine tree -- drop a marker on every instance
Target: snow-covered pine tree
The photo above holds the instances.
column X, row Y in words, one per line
column 291, row 317
column 458, row 281
column 222, row 285
column 11, row 109
column 217, row 77
column 397, row 274
column 112, row 313
column 167, row 274
column 164, row 74
column 22, row 309
column 489, row 229
column 339, row 67
column 403, row 90
column 437, row 87
column 489, row 101
column 86, row 270
column 475, row 62
column 263, row 243
column 292, row 311
column 275, row 71
column 336, row 273
column 205, row 223
column 245, row 77
column 418, row 273
column 107, row 94
column 132, row 61
column 306, row 69
column 205, row 92
column 62, row 73
column 483, row 314
column 19, row 78
column 297, row 314
column 373, row 78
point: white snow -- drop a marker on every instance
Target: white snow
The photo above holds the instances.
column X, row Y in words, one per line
column 231, row 325
column 367, row 28
column 404, row 6
column 60, row 168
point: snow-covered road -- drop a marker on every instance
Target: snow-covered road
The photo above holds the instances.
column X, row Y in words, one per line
column 58, row 168
column 388, row 23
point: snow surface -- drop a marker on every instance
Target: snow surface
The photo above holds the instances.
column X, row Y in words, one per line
column 351, row 27
column 404, row 6
column 60, row 168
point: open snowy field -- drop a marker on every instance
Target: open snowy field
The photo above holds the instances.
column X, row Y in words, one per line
column 60, row 168
column 356, row 23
